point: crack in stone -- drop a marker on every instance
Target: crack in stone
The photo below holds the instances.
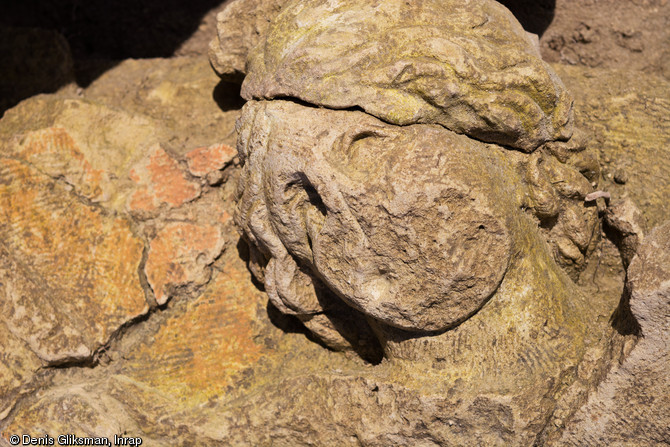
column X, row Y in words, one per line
column 69, row 187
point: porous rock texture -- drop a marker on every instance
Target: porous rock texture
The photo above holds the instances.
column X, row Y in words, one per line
column 82, row 255
column 350, row 197
column 240, row 26
column 605, row 34
column 628, row 122
column 411, row 225
column 70, row 267
column 212, row 366
column 630, row 407
column 427, row 62
column 218, row 365
column 414, row 226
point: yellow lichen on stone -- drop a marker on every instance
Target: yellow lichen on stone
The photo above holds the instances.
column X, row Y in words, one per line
column 472, row 69
column 627, row 116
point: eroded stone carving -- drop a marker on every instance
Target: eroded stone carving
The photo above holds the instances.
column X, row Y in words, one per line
column 398, row 214
column 398, row 220
column 631, row 404
column 240, row 26
column 467, row 66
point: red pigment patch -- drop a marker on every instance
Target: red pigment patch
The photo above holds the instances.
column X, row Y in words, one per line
column 203, row 160
column 55, row 152
column 179, row 255
column 160, row 181
column 225, row 217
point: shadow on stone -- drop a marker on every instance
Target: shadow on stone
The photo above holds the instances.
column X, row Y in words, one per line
column 34, row 61
column 243, row 252
column 623, row 319
column 117, row 30
column 287, row 323
column 87, row 71
column 227, row 96
column 99, row 35
column 534, row 15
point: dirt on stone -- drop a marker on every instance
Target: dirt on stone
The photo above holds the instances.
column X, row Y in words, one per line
column 633, row 34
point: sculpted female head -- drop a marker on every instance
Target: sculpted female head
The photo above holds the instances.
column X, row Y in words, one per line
column 409, row 208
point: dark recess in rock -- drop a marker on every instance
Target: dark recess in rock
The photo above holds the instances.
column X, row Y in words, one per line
column 534, row 15
column 101, row 33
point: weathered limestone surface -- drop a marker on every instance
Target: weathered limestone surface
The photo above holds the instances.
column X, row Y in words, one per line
column 94, row 160
column 67, row 291
column 196, row 356
column 240, row 26
column 81, row 256
column 417, row 228
column 179, row 255
column 205, row 161
column 632, row 405
column 418, row 62
column 54, row 176
column 627, row 114
column 413, row 226
column 216, row 371
column 624, row 219
column 212, row 366
column 160, row 182
column 69, row 267
column 322, row 188
column 183, row 94
column 17, row 367
column 342, row 201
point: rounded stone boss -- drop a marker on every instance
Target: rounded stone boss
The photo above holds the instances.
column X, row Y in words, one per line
column 401, row 161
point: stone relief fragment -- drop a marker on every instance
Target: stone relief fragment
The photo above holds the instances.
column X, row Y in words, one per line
column 463, row 265
column 369, row 191
column 413, row 226
column 469, row 67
